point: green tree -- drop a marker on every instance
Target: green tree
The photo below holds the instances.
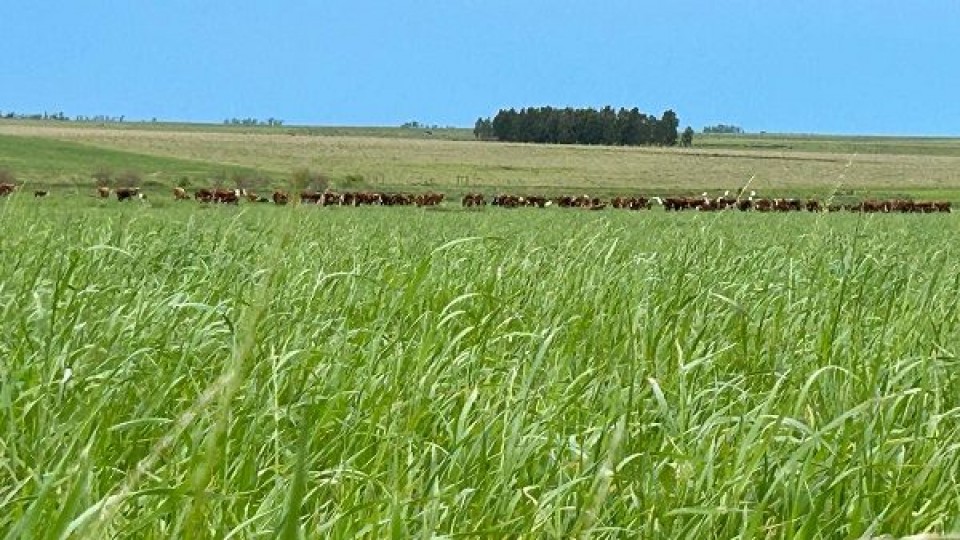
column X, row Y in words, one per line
column 667, row 128
column 483, row 129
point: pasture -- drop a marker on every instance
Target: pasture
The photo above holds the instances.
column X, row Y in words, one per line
column 66, row 155
column 177, row 370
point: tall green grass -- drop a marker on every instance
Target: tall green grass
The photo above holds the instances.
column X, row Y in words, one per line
column 307, row 372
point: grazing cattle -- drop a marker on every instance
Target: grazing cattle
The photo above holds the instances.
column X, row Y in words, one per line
column 428, row 199
column 396, row 199
column 508, row 201
column 203, row 195
column 180, row 194
column 579, row 201
column 312, row 197
column 762, row 205
column 895, row 205
column 474, row 199
column 787, row 205
column 40, row 193
column 331, row 198
column 813, row 205
column 538, row 201
column 6, row 189
column 280, row 197
column 725, row 201
column 103, row 192
column 681, row 203
column 128, row 193
column 227, row 196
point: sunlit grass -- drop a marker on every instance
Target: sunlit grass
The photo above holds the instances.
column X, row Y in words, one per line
column 171, row 372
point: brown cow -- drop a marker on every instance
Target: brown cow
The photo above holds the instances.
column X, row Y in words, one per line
column 227, row 196
column 180, row 194
column 128, row 193
column 473, row 199
column 429, row 199
column 203, row 195
column 314, row 197
column 280, row 197
column 103, row 192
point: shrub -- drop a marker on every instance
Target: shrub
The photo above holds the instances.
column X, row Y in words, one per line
column 103, row 176
column 303, row 178
column 7, row 176
column 129, row 178
column 250, row 179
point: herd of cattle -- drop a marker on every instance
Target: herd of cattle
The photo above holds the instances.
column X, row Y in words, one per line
column 703, row 203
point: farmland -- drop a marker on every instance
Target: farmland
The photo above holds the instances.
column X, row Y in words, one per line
column 184, row 370
column 409, row 159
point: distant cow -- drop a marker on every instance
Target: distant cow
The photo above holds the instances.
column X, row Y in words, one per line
column 428, row 199
column 203, row 195
column 124, row 194
column 227, row 196
column 473, row 199
column 314, row 197
column 40, row 193
column 103, row 192
column 280, row 197
column 6, row 189
column 180, row 194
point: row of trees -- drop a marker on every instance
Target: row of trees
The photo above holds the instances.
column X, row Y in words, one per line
column 36, row 116
column 723, row 128
column 253, row 122
column 626, row 127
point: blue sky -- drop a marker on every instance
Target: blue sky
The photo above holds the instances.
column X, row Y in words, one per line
column 851, row 66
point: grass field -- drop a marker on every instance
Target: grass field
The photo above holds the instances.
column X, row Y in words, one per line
column 178, row 371
column 173, row 370
column 385, row 158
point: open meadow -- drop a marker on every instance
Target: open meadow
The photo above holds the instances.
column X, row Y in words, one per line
column 66, row 155
column 171, row 369
column 175, row 370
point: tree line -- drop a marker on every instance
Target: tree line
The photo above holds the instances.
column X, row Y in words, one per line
column 271, row 122
column 59, row 116
column 606, row 126
column 723, row 128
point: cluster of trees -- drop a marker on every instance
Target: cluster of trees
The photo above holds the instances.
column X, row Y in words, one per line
column 36, row 116
column 61, row 117
column 608, row 126
column 722, row 128
column 420, row 125
column 253, row 122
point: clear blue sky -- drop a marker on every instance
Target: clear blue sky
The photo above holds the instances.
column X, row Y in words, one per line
column 850, row 66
